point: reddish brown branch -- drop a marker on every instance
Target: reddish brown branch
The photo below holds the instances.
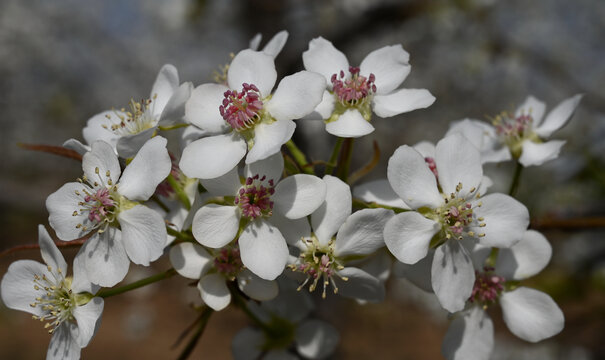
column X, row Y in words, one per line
column 60, row 244
column 51, row 149
column 569, row 224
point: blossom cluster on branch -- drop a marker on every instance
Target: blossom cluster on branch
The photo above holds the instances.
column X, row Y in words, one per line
column 239, row 209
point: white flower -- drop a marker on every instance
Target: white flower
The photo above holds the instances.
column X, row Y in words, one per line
column 245, row 117
column 522, row 135
column 530, row 314
column 128, row 129
column 450, row 215
column 285, row 326
column 65, row 303
column 354, row 92
column 104, row 200
column 194, row 262
column 325, row 255
column 263, row 208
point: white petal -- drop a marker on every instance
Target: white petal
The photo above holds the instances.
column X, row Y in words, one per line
column 333, row 212
column 102, row 157
column 390, row 66
column 146, row 171
column 202, row 108
column 255, row 287
column 361, row 234
column 525, row 258
column 252, row 67
column 64, row 343
column 323, row 58
column 88, row 317
column 458, row 162
column 535, row 154
column 531, row 106
column 296, row 95
column 216, row 226
column 17, row 288
column 104, row 258
column 174, row 111
column 324, row 109
column 80, row 282
column 452, row 275
column 419, row 273
column 292, row 230
column 50, row 253
column 190, row 260
column 212, row 156
column 143, row 233
column 531, row 314
column 380, row 192
column 271, row 167
column 61, row 206
column 247, row 344
column 224, row 185
column 263, row 249
column 402, row 101
column 129, row 145
column 268, row 139
column 360, row 285
column 351, row 124
column 425, row 148
column 412, row 180
column 299, row 195
column 558, row 117
column 255, row 41
column 470, row 336
column 98, row 127
column 408, row 235
column 164, row 86
column 77, row 146
column 274, row 46
column 483, row 136
column 378, row 264
column 505, row 218
column 214, row 291
column 316, row 339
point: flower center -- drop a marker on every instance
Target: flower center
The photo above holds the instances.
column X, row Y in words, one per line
column 98, row 201
column 514, row 130
column 354, row 90
column 228, row 262
column 241, row 110
column 487, row 288
column 318, row 263
column 137, row 118
column 254, row 198
column 55, row 299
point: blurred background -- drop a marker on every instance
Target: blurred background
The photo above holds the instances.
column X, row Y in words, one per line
column 62, row 61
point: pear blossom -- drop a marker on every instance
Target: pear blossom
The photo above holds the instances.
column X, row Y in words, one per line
column 215, row 270
column 262, row 210
column 107, row 204
column 286, row 326
column 529, row 314
column 244, row 117
column 129, row 128
column 335, row 238
column 450, row 215
column 353, row 93
column 522, row 135
column 72, row 314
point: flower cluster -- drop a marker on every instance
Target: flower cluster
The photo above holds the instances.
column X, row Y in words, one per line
column 256, row 226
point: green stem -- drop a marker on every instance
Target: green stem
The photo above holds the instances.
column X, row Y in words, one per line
column 345, row 159
column 157, row 200
column 372, row 205
column 137, row 284
column 179, row 235
column 333, row 162
column 515, row 184
column 299, row 157
column 206, row 313
column 180, row 193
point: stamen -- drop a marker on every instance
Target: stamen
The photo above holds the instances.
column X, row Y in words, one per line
column 241, row 110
